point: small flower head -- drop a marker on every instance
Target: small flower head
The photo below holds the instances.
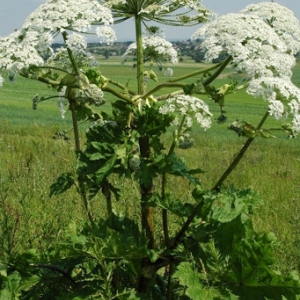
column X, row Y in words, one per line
column 156, row 48
column 168, row 72
column 77, row 43
column 106, row 34
column 191, row 107
column 61, row 102
column 283, row 97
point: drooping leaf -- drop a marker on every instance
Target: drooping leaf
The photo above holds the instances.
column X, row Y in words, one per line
column 62, row 184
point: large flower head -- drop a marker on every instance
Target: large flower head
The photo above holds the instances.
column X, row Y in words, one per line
column 255, row 46
column 18, row 52
column 55, row 16
column 262, row 40
column 281, row 19
column 32, row 43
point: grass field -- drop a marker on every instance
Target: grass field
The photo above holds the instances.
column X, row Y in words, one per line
column 31, row 160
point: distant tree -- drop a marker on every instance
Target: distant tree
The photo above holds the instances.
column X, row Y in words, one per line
column 106, row 53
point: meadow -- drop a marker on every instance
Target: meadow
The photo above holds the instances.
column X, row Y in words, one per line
column 32, row 157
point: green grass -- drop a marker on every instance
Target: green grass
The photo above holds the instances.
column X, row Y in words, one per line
column 31, row 160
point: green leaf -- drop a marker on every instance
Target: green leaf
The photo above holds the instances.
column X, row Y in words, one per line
column 10, row 290
column 227, row 206
column 84, row 112
column 189, row 88
column 189, row 277
column 176, row 206
column 62, row 184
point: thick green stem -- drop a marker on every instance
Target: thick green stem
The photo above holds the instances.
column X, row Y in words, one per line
column 164, row 184
column 172, row 83
column 42, row 79
column 163, row 85
column 70, row 54
column 165, row 211
column 170, row 286
column 140, row 54
column 75, row 124
column 192, row 74
column 239, row 156
column 107, row 194
column 147, row 213
column 117, row 94
column 186, row 225
column 218, row 72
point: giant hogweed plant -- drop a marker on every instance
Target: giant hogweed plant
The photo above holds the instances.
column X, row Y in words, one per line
column 208, row 248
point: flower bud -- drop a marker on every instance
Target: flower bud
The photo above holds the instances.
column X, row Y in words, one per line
column 185, row 141
column 134, row 162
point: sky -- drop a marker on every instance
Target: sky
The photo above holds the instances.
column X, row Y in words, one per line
column 14, row 12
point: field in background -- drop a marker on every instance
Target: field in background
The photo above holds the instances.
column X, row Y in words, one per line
column 31, row 160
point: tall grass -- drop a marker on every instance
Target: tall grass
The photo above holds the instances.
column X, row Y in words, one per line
column 31, row 160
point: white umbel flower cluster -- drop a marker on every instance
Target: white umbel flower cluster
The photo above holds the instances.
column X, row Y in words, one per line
column 76, row 42
column 155, row 47
column 58, row 15
column 191, row 107
column 106, row 34
column 253, row 44
column 262, row 40
column 281, row 19
column 33, row 42
column 17, row 52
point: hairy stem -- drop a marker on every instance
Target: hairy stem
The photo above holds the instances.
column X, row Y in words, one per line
column 239, row 156
column 107, row 194
column 170, row 285
column 56, row 269
column 72, row 102
column 146, row 190
column 186, row 225
column 140, row 54
column 165, row 211
column 82, row 188
column 75, row 124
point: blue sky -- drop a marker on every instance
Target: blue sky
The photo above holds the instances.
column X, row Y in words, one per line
column 14, row 12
